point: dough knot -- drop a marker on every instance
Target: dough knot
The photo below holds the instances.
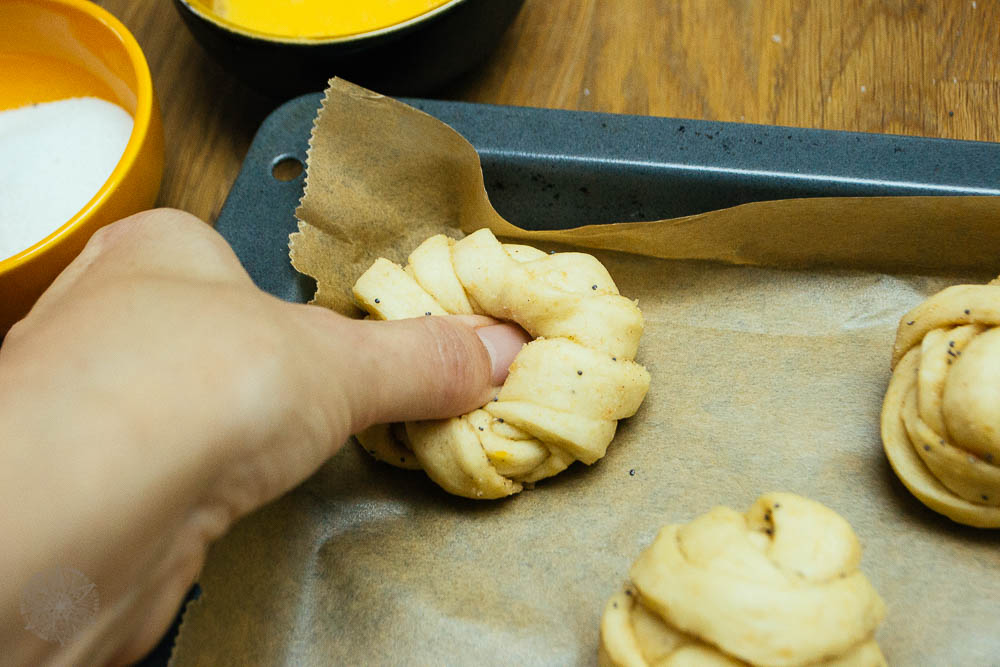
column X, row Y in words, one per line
column 778, row 585
column 941, row 413
column 566, row 389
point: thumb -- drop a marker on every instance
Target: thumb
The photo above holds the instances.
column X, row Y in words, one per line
column 427, row 367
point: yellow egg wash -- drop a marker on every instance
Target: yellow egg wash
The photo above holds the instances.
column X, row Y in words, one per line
column 315, row 18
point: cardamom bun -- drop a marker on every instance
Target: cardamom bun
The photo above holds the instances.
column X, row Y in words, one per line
column 566, row 389
column 777, row 586
column 941, row 413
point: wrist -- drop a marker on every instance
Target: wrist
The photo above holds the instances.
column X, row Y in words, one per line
column 82, row 508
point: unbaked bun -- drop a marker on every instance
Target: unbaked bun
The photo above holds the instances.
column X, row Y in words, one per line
column 941, row 413
column 776, row 586
column 566, row 389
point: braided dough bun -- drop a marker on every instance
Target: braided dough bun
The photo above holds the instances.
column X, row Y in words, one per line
column 778, row 586
column 941, row 413
column 566, row 389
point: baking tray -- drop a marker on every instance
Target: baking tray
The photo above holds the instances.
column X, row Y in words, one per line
column 551, row 169
column 556, row 169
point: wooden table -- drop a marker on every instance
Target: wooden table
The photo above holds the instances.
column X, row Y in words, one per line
column 928, row 67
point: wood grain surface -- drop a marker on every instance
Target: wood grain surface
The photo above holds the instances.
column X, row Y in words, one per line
column 927, row 67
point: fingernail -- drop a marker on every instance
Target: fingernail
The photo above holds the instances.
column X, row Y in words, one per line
column 502, row 343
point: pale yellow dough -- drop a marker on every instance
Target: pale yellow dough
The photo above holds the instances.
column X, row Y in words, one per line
column 941, row 413
column 567, row 388
column 777, row 586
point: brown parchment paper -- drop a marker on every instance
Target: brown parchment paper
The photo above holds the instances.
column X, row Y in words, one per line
column 768, row 374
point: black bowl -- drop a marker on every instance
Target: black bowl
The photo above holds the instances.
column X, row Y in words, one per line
column 413, row 58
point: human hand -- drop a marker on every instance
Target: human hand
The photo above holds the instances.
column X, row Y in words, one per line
column 154, row 396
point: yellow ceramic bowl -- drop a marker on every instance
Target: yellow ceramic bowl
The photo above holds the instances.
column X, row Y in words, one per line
column 55, row 49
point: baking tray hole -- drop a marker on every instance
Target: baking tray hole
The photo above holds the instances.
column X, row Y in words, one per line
column 286, row 168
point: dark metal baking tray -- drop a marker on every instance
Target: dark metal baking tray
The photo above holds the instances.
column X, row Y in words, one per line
column 545, row 168
column 550, row 169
